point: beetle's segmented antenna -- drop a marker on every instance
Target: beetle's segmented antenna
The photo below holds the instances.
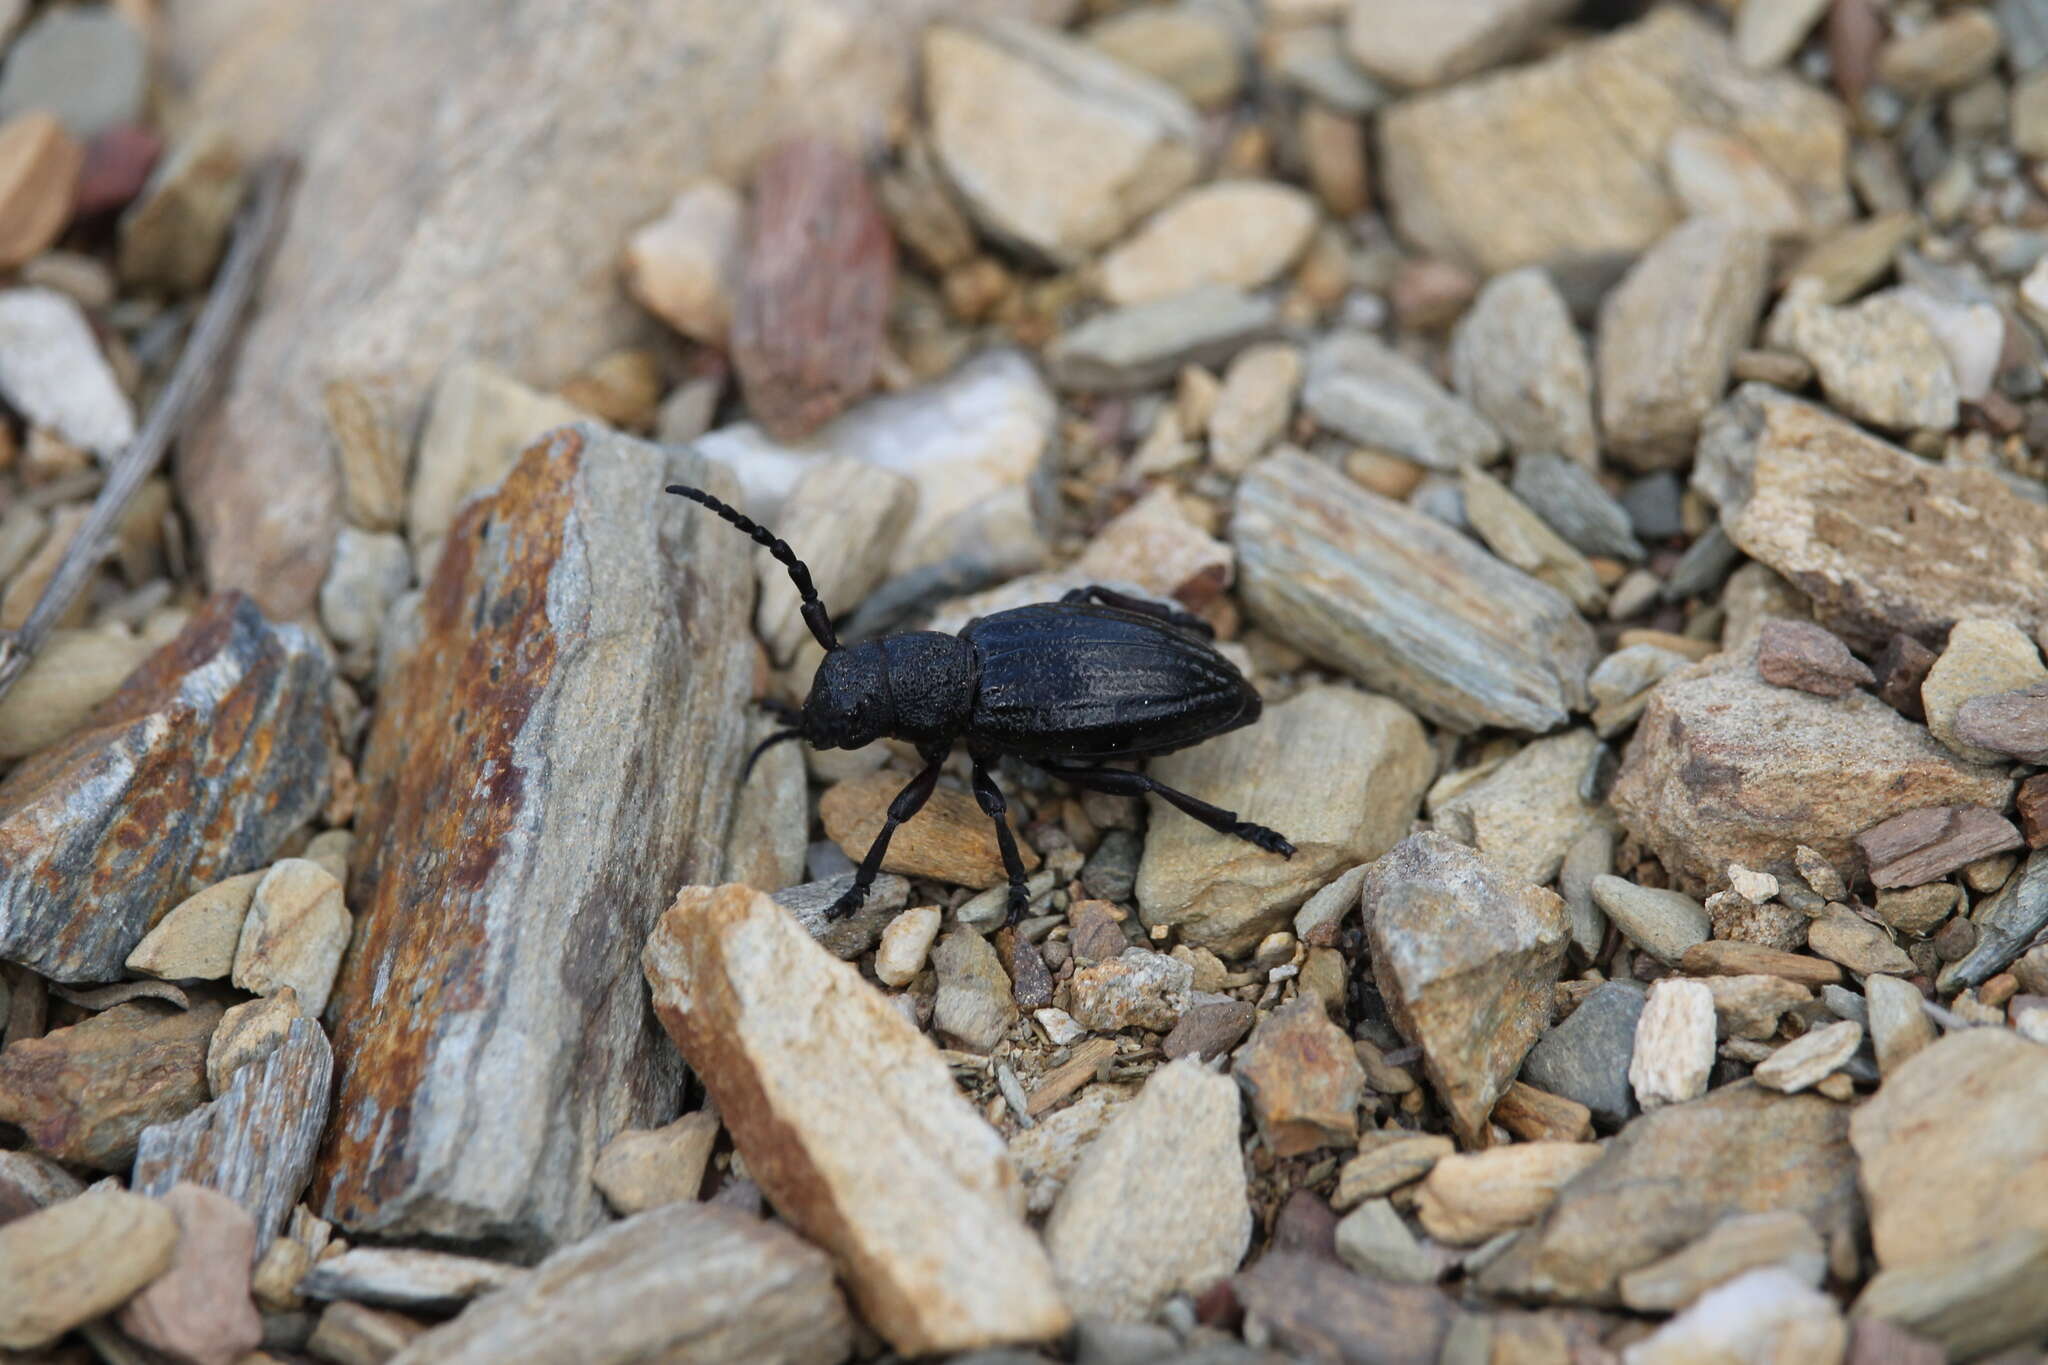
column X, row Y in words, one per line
column 779, row 737
column 813, row 609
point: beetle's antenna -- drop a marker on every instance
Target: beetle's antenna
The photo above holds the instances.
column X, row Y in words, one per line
column 813, row 608
column 764, row 746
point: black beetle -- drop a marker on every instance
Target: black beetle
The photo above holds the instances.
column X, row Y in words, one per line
column 1070, row 686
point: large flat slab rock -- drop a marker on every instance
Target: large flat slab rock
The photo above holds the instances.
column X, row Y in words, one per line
column 552, row 757
column 1563, row 159
column 851, row 1124
column 1403, row 603
column 209, row 755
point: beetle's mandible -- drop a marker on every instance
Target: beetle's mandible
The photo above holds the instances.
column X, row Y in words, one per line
column 1071, row 686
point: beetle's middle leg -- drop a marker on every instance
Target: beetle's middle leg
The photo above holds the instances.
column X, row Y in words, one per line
column 990, row 796
column 1124, row 782
column 908, row 802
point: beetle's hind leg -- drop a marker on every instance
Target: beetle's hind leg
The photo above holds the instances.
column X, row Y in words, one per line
column 1123, row 782
column 1123, row 601
column 908, row 802
column 990, row 796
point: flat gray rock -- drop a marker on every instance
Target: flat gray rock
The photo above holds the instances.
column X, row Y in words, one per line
column 1361, row 387
column 1586, row 1057
column 1148, row 343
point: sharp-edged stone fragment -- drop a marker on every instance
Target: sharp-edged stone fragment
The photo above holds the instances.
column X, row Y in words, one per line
column 1991, row 1296
column 973, row 1004
column 1586, row 1057
column 1191, row 49
column 1661, row 922
column 1878, row 360
column 1147, row 343
column 1808, row 1059
column 350, row 1334
column 1254, row 405
column 1803, row 655
column 1129, row 1230
column 249, row 1033
column 690, row 1284
column 53, row 372
column 560, row 673
column 1403, row 603
column 172, row 236
column 1303, row 1079
column 87, row 1093
column 798, row 1052
column 1471, row 1197
column 1745, row 1242
column 196, row 940
column 1899, row 1026
column 407, row 1278
column 479, row 422
column 1674, row 1051
column 199, row 1311
column 949, row 839
column 1841, row 935
column 1571, row 500
column 1982, row 658
column 1520, row 537
column 1387, row 1161
column 1750, row 1005
column 2009, row 724
column 206, row 759
column 2005, row 925
column 1337, row 772
column 1926, row 844
column 1466, row 958
column 1135, row 989
column 1525, row 814
column 295, row 933
column 1371, row 393
column 684, row 267
column 1375, row 1241
column 1239, row 233
column 1517, row 358
column 71, row 1262
column 848, row 936
column 641, row 1169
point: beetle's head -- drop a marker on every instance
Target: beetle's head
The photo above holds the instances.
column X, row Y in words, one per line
column 849, row 704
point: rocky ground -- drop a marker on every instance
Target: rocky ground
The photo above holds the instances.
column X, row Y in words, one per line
column 1606, row 436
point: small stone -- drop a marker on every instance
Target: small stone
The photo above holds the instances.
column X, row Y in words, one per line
column 1720, row 175
column 949, row 839
column 53, row 372
column 2032, row 804
column 1590, row 856
column 1917, row 910
column 1386, row 1162
column 1767, row 33
column 1731, row 957
column 1748, row 1241
column 1471, row 1197
column 1950, row 52
column 2008, row 724
column 1842, row 935
column 1047, row 1154
column 1239, row 233
column 173, row 235
column 1901, row 667
column 1062, row 1031
column 117, row 166
column 1922, row 845
column 1987, row 1297
column 1187, row 47
column 478, row 424
column 1372, row 394
column 1971, row 335
column 73, row 1261
column 407, row 1277
column 1333, row 146
column 1130, row 1230
column 684, row 267
column 1877, row 360
column 1303, row 1080
column 1899, row 1027
column 905, row 943
column 1674, row 1052
column 1312, row 1305
column 1428, row 295
column 1662, row 923
column 645, row 1168
column 1466, row 958
column 1779, row 369
column 199, row 1311
column 1375, row 1241
column 973, row 1004
column 1804, row 1061
column 1521, row 538
column 350, row 1334
column 1526, row 814
column 1254, row 406
column 1053, row 145
column 1414, row 43
column 1668, row 334
column 295, row 934
column 1803, row 655
column 1749, row 1006
column 2002, row 926
column 370, row 571
column 1136, row 989
column 1768, row 1314
column 85, row 1093
column 39, row 169
column 1148, row 343
column 1983, row 658
column 87, row 64
column 197, row 939
column 1586, row 1057
column 248, row 1033
column 1843, row 263
column 1568, row 496
column 1538, row 1116
column 922, row 208
column 1207, row 1031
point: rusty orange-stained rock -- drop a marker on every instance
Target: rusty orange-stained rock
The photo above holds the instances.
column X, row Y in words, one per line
column 555, row 754
column 211, row 753
column 851, row 1123
column 85, row 1094
column 820, row 269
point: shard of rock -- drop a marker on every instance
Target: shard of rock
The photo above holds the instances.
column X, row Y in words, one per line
column 2006, row 923
column 1318, row 1310
column 1403, row 603
column 852, row 1126
column 208, row 756
column 86, row 1093
column 1466, row 958
column 583, row 644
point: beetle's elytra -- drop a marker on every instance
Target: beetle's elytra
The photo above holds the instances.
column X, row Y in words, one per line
column 1070, row 686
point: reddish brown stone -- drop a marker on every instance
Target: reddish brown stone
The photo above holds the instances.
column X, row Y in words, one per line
column 1538, row 1116
column 1030, row 982
column 1321, row 1311
column 2033, row 810
column 212, row 752
column 2012, row 723
column 1809, row 657
column 1094, row 933
column 1856, row 31
column 117, row 166
column 1303, row 1079
column 820, row 272
column 1902, row 665
column 1209, row 1031
column 85, row 1093
column 1306, row 1225
column 1922, row 845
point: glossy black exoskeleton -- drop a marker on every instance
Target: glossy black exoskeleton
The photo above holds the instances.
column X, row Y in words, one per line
column 1071, row 686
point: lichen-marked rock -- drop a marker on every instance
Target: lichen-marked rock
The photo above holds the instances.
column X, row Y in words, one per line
column 583, row 641
column 210, row 755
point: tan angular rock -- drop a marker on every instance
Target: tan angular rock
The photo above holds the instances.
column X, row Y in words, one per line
column 684, row 267
column 248, row 1033
column 1129, row 1230
column 85, row 1093
column 72, row 674
column 1134, row 989
column 643, row 1168
column 173, row 235
column 1232, row 232
column 478, row 424
column 1192, row 49
column 351, row 1334
column 1303, row 1079
column 1718, row 175
column 199, row 1311
column 949, row 839
column 405, row 1277
column 1523, row 539
column 1254, row 405
column 1674, row 1052
column 973, row 1005
column 1745, row 1242
column 1517, row 358
column 725, row 966
column 71, row 1262
column 197, row 939
column 850, row 517
column 1749, row 1006
column 1810, row 1058
column 39, row 167
column 1768, row 32
column 1386, row 1162
column 1466, row 958
column 1527, row 813
column 906, row 942
column 1841, row 935
column 1475, row 1196
column 295, row 934
column 1950, row 52
column 1339, row 773
column 1899, row 1026
column 1995, row 1295
column 1982, row 658
column 1878, row 360
column 1415, row 43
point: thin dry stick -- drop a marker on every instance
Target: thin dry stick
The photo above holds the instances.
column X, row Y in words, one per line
column 233, row 285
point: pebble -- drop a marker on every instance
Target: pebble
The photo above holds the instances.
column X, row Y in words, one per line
column 87, row 64
column 1899, row 1027
column 1946, row 54
column 1767, row 1314
column 53, row 372
column 1674, row 1051
column 1448, row 931
column 1526, row 814
column 1302, row 1078
column 1662, row 923
column 853, row 516
column 1734, row 1246
column 1375, row 1241
column 197, row 939
column 1403, row 603
column 1472, row 1197
column 1590, row 855
column 1520, row 537
column 75, row 1260
column 1254, row 405
column 1750, row 1005
column 172, row 236
column 1965, row 1307
column 1652, row 503
column 1146, row 344
column 1573, row 502
column 1621, row 685
column 350, row 1334
column 1811, row 1057
column 1130, row 1230
column 1669, row 333
column 249, row 1032
column 1047, row 1154
column 973, row 1005
column 407, row 1278
column 369, row 572
column 1187, row 47
column 684, row 267
column 2010, row 724
column 1516, row 357
column 1845, row 262
column 1238, row 233
column 1877, row 360
column 645, row 1168
column 1136, row 989
column 850, row 936
column 39, row 169
column 1333, row 150
column 1414, row 43
column 1841, row 935
column 1983, row 657
column 1917, row 910
column 1362, row 389
column 1585, row 1057
column 295, row 933
column 1310, row 58
column 1308, row 1305
column 1338, row 772
column 199, row 1311
column 1719, row 175
column 1806, row 656
column 905, row 944
column 1052, row 144
column 1388, row 1161
column 1207, row 1031
column 2004, row 925
column 1733, row 957
column 478, row 423
column 1923, row 845
column 1972, row 335
column 950, row 839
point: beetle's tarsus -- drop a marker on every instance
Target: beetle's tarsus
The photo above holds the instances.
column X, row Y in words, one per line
column 847, row 903
column 1270, row 840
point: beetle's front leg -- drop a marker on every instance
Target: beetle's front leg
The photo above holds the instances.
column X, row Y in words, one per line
column 908, row 802
column 992, row 804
